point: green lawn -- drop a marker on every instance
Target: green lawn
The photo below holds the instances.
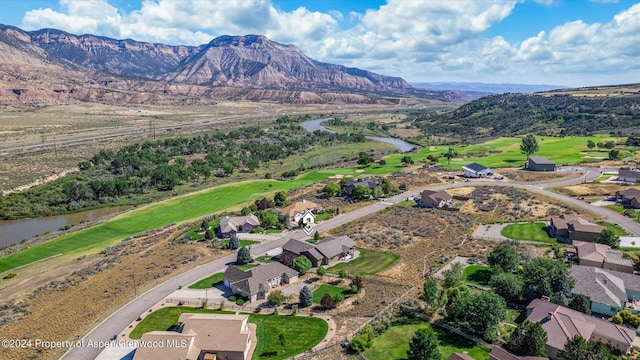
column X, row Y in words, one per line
column 242, row 242
column 323, row 216
column 265, row 259
column 527, row 231
column 369, row 262
column 301, row 333
column 331, row 290
column 208, row 282
column 616, row 229
column 394, row 343
column 246, row 266
column 477, row 274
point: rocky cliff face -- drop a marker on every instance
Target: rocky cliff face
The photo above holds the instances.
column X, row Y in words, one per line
column 52, row 66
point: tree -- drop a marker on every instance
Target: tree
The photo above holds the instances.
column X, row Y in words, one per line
column 453, row 276
column 543, row 277
column 301, row 264
column 208, row 234
column 244, row 256
column 407, row 160
column 245, row 211
column 327, row 301
column 316, row 236
column 581, row 303
column 591, row 144
column 204, row 225
column 280, row 198
column 504, row 257
column 276, row 298
column 529, row 145
column 423, row 346
column 321, row 271
column 450, row 154
column 608, row 237
column 614, row 154
column 600, row 145
column 364, row 158
column 609, row 145
column 358, row 282
column 431, row 291
column 234, row 242
column 306, row 297
column 361, row 192
column 481, row 313
column 529, row 339
column 507, row 285
column 578, row 348
column 331, row 189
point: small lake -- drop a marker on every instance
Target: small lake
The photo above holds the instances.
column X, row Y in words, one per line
column 14, row 231
column 313, row 125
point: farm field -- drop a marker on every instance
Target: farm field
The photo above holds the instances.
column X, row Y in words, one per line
column 301, row 332
column 528, row 232
column 394, row 343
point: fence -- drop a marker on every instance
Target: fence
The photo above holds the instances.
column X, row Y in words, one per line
column 346, row 339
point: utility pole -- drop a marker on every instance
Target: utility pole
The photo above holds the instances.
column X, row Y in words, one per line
column 135, row 290
column 55, row 149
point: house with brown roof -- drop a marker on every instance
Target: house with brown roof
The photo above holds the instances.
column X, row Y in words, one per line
column 609, row 291
column 372, row 184
column 629, row 197
column 435, row 199
column 230, row 226
column 257, row 282
column 201, row 337
column 602, row 256
column 574, row 227
column 561, row 324
column 459, row 356
column 298, row 210
column 328, row 252
column 498, row 353
column 628, row 175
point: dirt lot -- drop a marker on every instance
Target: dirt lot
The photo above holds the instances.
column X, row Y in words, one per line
column 524, row 176
column 591, row 189
column 104, row 282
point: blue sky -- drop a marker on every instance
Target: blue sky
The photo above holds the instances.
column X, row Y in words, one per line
column 565, row 42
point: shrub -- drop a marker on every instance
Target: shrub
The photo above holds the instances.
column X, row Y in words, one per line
column 360, row 342
column 306, row 296
column 276, row 298
column 339, row 298
column 10, row 275
column 276, row 311
column 240, row 302
column 327, row 301
column 617, row 319
column 343, row 273
column 321, row 271
column 232, row 298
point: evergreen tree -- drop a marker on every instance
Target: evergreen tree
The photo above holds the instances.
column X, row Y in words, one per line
column 529, row 339
column 423, row 346
column 244, row 256
column 234, row 242
column 306, row 297
column 581, row 303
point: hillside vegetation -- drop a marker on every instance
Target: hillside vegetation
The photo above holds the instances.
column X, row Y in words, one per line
column 515, row 114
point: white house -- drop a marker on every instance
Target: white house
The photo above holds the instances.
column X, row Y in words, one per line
column 476, row 170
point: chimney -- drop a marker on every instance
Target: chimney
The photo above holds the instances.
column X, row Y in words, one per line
column 549, row 315
column 545, row 298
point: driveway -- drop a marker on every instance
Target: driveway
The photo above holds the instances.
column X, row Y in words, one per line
column 490, row 232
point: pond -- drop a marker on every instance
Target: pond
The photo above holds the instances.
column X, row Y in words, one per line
column 14, row 231
column 313, row 125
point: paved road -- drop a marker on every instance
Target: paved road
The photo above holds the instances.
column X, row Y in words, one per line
column 127, row 314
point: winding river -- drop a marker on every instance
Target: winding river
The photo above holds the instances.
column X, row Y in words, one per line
column 313, row 125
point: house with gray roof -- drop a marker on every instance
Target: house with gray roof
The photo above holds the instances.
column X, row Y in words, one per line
column 602, row 256
column 475, row 170
column 609, row 291
column 629, row 175
column 629, row 198
column 371, row 183
column 230, row 226
column 540, row 163
column 328, row 252
column 561, row 324
column 257, row 282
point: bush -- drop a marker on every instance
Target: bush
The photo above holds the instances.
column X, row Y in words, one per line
column 276, row 298
column 232, row 298
column 240, row 302
column 321, row 271
column 617, row 319
column 339, row 298
column 343, row 273
column 360, row 342
column 10, row 275
column 328, row 302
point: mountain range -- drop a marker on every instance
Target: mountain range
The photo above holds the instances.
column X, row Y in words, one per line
column 52, row 66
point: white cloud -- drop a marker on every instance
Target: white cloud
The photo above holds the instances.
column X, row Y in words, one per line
column 415, row 39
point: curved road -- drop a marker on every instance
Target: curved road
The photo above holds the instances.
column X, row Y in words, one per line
column 127, row 314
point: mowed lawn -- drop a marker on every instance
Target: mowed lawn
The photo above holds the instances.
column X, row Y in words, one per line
column 329, row 289
column 369, row 262
column 301, row 333
column 616, row 229
column 528, row 231
column 477, row 274
column 208, row 282
column 394, row 343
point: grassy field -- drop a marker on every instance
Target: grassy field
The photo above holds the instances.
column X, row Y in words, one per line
column 301, row 333
column 370, row 262
column 477, row 274
column 394, row 343
column 243, row 243
column 246, row 266
column 616, row 229
column 265, row 259
column 329, row 289
column 528, row 231
column 208, row 282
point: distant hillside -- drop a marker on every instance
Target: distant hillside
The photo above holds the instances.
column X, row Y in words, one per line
column 486, row 88
column 513, row 114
